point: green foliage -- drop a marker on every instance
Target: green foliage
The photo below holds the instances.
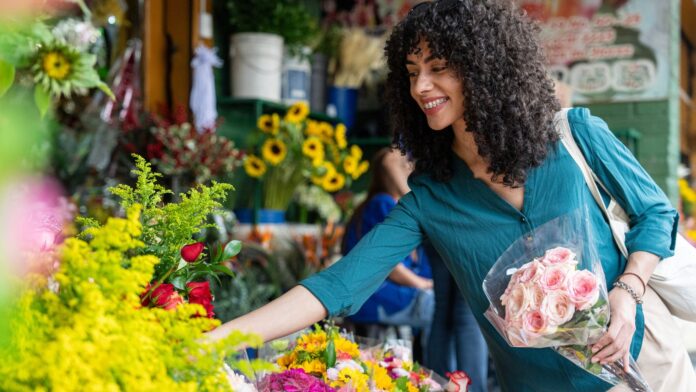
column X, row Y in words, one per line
column 167, row 227
column 7, row 74
column 289, row 18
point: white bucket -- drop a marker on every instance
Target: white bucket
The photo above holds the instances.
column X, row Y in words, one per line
column 257, row 60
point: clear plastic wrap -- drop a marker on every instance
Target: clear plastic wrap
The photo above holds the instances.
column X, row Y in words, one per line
column 548, row 290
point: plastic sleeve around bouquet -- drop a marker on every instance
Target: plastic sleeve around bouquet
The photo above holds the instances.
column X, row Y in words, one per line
column 548, row 289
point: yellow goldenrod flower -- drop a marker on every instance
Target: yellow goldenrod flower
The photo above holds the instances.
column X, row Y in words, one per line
column 340, row 135
column 254, row 167
column 56, row 65
column 333, row 183
column 269, row 123
column 350, row 164
column 362, row 168
column 313, row 148
column 274, row 151
column 297, row 112
column 356, row 152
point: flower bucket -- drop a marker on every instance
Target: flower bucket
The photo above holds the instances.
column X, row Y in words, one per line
column 343, row 102
column 246, row 215
column 257, row 61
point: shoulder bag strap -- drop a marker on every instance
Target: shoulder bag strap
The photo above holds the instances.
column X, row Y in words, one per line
column 563, row 128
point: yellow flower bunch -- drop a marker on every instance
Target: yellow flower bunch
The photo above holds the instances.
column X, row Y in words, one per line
column 294, row 149
column 92, row 332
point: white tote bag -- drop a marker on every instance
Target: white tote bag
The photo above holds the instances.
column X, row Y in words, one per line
column 674, row 278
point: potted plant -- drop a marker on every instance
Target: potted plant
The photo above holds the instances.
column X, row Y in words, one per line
column 261, row 32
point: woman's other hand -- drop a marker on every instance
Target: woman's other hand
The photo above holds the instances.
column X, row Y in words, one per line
column 616, row 342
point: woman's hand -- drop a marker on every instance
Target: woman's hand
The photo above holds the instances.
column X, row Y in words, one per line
column 616, row 343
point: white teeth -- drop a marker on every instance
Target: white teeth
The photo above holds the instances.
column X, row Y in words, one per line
column 434, row 103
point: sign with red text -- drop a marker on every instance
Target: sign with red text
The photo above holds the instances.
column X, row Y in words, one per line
column 607, row 50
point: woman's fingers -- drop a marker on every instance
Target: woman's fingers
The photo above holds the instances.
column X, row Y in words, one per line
column 614, row 344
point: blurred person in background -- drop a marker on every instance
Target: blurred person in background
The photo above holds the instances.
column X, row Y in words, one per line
column 406, row 297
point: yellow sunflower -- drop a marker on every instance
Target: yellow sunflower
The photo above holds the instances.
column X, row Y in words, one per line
column 340, row 135
column 297, row 112
column 357, row 379
column 313, row 147
column 254, row 166
column 325, row 130
column 350, row 164
column 269, row 123
column 56, row 65
column 356, row 152
column 383, row 381
column 312, row 128
column 274, row 151
column 326, row 169
column 362, row 168
column 334, row 182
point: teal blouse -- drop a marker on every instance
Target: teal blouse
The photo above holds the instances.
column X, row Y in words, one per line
column 470, row 226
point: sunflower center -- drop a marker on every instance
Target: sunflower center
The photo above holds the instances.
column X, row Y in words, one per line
column 56, row 65
column 275, row 149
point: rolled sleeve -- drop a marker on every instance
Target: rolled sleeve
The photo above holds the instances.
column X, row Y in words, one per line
column 346, row 285
column 653, row 220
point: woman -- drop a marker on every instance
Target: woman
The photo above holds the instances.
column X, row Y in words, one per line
column 406, row 298
column 471, row 102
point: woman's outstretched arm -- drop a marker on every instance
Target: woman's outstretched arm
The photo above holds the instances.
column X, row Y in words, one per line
column 294, row 310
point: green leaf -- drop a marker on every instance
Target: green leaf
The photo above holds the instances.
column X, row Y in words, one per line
column 42, row 99
column 232, row 249
column 179, row 282
column 105, row 88
column 330, row 354
column 7, row 74
column 223, row 269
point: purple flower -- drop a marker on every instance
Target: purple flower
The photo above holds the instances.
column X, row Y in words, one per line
column 293, row 380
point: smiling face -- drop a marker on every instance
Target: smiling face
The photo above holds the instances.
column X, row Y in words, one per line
column 436, row 88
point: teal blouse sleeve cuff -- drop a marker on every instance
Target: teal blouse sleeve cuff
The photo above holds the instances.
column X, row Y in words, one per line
column 330, row 291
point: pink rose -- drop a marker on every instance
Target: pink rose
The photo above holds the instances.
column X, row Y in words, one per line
column 536, row 323
column 531, row 271
column 558, row 307
column 583, row 289
column 536, row 296
column 559, row 255
column 516, row 302
column 554, row 278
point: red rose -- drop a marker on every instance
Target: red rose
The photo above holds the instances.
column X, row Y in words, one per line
column 163, row 296
column 199, row 293
column 191, row 252
column 459, row 381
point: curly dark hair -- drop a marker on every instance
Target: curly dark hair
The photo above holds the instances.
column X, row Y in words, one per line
column 509, row 99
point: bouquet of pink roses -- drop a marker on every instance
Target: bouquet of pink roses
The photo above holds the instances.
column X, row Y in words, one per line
column 548, row 290
column 549, row 299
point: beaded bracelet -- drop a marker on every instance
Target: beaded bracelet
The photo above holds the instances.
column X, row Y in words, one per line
column 642, row 282
column 630, row 290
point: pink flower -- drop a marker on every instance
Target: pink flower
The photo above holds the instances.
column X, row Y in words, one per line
column 536, row 296
column 559, row 255
column 583, row 289
column 558, row 307
column 531, row 271
column 536, row 323
column 516, row 302
column 554, row 278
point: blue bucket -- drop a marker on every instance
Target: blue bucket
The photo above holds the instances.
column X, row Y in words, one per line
column 343, row 102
